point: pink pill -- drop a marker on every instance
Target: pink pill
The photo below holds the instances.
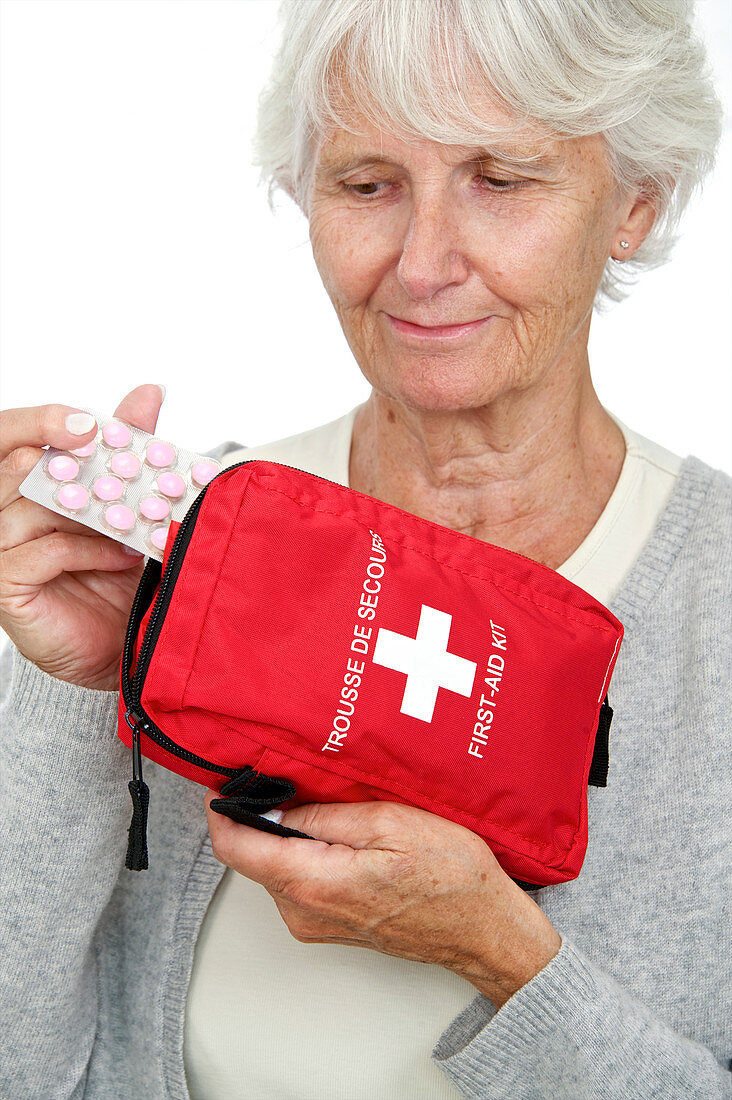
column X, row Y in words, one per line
column 73, row 496
column 154, row 508
column 120, row 517
column 108, row 488
column 203, row 472
column 85, row 452
column 159, row 537
column 160, row 455
column 63, row 468
column 125, row 465
column 116, row 434
column 171, row 485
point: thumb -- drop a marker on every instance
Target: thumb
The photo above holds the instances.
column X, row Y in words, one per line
column 357, row 824
column 141, row 407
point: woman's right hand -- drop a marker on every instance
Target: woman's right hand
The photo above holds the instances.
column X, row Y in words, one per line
column 65, row 591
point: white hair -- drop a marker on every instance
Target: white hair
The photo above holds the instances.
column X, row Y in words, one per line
column 633, row 70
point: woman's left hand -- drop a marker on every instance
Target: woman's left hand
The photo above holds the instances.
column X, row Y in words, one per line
column 398, row 880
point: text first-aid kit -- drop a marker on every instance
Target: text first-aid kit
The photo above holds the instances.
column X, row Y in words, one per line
column 303, row 642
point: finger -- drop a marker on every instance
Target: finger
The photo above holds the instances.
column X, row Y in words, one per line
column 26, row 567
column 386, row 826
column 141, row 407
column 24, row 520
column 14, row 469
column 45, row 424
column 265, row 858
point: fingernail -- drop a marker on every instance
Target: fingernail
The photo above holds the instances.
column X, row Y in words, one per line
column 79, row 423
column 162, row 390
column 131, row 550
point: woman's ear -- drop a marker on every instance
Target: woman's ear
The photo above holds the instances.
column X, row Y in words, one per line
column 636, row 220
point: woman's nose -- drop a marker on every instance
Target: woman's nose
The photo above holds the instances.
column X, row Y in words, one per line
column 431, row 254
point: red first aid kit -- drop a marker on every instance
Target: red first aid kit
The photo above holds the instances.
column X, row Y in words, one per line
column 303, row 642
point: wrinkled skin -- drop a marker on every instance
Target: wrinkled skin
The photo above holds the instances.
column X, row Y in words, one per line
column 398, row 880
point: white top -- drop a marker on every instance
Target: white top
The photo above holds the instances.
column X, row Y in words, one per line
column 266, row 1013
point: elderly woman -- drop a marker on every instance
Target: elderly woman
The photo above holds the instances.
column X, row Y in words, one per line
column 475, row 174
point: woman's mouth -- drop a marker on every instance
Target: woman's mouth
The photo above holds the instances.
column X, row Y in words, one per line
column 434, row 332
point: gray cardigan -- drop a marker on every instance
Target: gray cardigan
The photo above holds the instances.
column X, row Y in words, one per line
column 95, row 960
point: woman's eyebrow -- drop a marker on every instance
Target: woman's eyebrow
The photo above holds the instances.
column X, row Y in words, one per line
column 516, row 158
column 538, row 161
column 350, row 164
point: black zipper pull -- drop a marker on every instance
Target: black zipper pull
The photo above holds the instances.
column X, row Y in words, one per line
column 140, row 793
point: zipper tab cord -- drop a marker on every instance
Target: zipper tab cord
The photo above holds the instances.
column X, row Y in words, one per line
column 140, row 794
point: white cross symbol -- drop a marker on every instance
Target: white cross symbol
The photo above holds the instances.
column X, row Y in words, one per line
column 426, row 662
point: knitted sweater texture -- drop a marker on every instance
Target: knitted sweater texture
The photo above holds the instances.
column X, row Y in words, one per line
column 95, row 960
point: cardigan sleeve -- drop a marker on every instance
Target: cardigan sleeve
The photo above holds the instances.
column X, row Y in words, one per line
column 573, row 1033
column 64, row 812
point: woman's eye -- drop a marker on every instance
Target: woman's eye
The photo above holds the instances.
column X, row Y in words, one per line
column 496, row 184
column 365, row 190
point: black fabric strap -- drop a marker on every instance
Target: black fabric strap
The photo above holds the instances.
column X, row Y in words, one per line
column 250, row 794
column 229, row 807
column 601, row 755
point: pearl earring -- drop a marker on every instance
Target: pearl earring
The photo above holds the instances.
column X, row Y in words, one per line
column 624, row 244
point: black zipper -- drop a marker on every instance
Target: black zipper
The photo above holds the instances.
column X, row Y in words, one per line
column 135, row 716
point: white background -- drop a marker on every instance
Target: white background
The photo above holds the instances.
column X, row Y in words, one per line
column 138, row 246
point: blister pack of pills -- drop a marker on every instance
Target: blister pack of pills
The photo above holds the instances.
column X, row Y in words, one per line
column 125, row 483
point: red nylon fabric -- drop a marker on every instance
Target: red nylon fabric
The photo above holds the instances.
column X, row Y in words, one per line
column 364, row 653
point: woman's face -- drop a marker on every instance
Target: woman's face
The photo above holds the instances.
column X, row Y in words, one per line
column 409, row 233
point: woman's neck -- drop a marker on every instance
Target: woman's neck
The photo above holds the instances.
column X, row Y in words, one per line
column 526, row 473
